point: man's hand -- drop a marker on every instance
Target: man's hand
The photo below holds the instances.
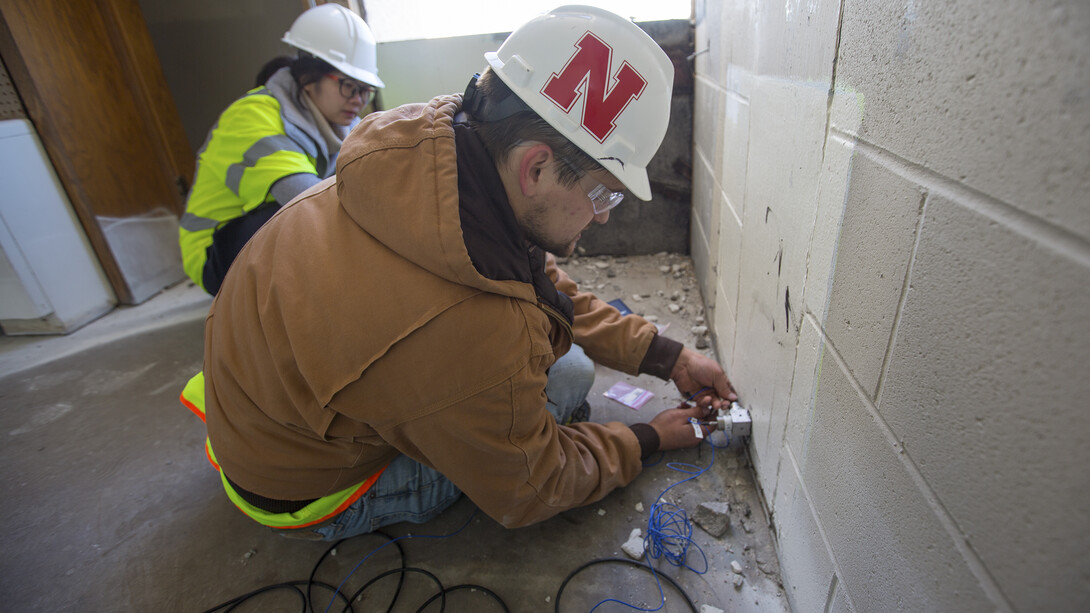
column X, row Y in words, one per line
column 694, row 372
column 674, row 429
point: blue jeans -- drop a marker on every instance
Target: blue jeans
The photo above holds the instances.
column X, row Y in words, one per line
column 410, row 491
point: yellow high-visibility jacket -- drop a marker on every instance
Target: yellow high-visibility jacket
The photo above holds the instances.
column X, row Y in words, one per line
column 266, row 135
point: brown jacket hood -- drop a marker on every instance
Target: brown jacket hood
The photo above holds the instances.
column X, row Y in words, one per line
column 430, row 182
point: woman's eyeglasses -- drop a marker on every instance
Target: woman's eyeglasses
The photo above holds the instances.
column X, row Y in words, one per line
column 350, row 89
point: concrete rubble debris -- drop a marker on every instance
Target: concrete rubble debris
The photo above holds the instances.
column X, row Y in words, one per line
column 738, row 580
column 639, row 507
column 713, row 517
column 707, row 608
column 634, row 547
column 699, row 330
column 736, row 567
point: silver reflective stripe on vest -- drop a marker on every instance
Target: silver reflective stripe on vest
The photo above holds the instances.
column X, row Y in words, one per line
column 194, row 223
column 266, row 146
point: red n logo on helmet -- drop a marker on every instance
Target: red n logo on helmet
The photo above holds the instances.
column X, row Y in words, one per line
column 591, row 65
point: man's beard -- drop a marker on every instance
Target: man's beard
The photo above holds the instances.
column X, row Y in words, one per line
column 531, row 230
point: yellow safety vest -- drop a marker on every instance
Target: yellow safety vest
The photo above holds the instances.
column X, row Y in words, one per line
column 250, row 148
column 316, row 512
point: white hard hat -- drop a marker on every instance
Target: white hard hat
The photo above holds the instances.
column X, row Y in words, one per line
column 599, row 80
column 338, row 36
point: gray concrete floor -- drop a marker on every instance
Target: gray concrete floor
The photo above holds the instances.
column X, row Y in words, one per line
column 112, row 505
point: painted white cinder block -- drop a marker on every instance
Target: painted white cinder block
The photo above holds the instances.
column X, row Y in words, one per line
column 877, row 235
column 988, row 390
column 706, row 197
column 781, row 189
column 725, row 323
column 800, row 418
column 994, row 96
column 729, row 255
column 839, row 603
column 710, row 42
column 708, row 101
column 796, row 39
column 807, row 568
column 735, row 152
column 832, row 195
column 740, row 36
column 892, row 551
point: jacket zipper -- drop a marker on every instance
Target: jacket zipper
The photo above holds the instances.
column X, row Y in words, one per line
column 563, row 321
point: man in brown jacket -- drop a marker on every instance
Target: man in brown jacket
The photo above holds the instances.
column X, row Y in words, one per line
column 388, row 340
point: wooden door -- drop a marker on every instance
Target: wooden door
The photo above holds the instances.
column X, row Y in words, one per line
column 92, row 85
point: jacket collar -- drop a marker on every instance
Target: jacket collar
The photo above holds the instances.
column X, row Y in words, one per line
column 492, row 236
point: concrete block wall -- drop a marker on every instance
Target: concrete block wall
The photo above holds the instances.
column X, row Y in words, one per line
column 892, row 233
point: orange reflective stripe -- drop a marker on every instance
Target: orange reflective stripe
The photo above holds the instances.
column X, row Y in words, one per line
column 192, row 407
column 208, row 454
column 366, row 485
column 192, row 396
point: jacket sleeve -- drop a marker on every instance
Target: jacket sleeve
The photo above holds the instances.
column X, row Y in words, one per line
column 482, row 420
column 629, row 343
column 519, row 466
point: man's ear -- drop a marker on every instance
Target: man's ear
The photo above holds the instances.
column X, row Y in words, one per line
column 533, row 163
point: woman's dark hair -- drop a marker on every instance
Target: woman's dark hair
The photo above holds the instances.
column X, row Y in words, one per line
column 503, row 135
column 307, row 69
column 270, row 68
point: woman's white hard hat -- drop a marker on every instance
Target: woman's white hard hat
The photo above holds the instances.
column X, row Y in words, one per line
column 338, row 36
column 599, row 80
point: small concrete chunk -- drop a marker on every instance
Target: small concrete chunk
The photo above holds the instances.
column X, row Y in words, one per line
column 713, row 517
column 738, row 580
column 736, row 567
column 707, row 608
column 633, row 547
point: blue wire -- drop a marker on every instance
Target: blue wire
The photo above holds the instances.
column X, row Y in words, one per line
column 669, row 532
column 387, row 544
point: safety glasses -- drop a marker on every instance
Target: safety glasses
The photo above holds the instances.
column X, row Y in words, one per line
column 603, row 200
column 601, row 197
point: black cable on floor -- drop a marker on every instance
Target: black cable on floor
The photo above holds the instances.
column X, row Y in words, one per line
column 628, row 563
column 467, row 586
column 307, row 601
column 402, row 572
column 232, row 604
column 400, row 581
